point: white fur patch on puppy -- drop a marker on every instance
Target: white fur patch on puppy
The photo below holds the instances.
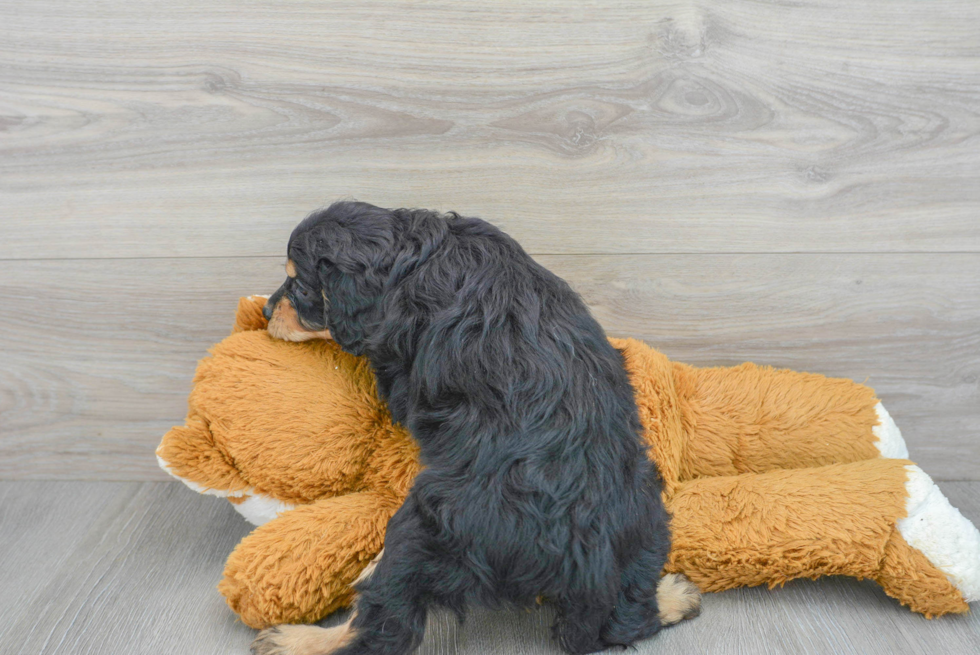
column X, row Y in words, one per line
column 890, row 442
column 938, row 530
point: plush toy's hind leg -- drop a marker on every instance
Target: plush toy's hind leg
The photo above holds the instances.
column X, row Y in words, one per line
column 847, row 519
column 752, row 419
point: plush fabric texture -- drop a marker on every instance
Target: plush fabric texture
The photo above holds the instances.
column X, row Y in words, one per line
column 769, row 475
column 294, row 423
column 299, row 567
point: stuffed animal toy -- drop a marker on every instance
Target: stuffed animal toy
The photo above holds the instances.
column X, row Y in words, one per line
column 769, row 475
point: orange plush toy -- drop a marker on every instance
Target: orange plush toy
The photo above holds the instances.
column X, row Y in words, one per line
column 769, row 475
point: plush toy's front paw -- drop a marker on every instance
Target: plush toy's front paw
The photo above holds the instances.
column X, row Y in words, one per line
column 299, row 567
column 259, row 509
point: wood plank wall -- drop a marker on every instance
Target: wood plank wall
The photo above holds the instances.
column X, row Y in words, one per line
column 793, row 183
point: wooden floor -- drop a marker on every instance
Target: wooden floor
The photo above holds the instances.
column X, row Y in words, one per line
column 130, row 568
column 793, row 183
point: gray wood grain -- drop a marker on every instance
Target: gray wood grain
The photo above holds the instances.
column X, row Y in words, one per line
column 129, row 569
column 790, row 183
column 142, row 128
column 115, row 568
column 99, row 355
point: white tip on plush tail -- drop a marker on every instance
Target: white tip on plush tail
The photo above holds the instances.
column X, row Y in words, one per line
column 256, row 508
column 890, row 442
column 938, row 530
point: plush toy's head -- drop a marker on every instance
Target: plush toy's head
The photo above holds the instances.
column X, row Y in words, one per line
column 264, row 414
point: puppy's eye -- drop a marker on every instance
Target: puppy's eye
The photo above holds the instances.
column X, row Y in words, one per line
column 304, row 294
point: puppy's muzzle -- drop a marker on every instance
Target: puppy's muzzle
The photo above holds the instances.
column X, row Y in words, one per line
column 284, row 323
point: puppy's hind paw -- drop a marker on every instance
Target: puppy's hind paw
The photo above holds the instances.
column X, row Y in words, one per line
column 677, row 598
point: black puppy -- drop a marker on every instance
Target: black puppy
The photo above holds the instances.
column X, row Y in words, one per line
column 536, row 482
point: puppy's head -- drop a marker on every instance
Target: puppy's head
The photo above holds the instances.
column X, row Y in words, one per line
column 339, row 262
column 296, row 311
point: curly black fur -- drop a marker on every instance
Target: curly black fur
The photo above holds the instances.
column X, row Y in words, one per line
column 537, row 482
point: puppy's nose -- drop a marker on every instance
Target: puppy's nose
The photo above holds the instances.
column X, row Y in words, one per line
column 267, row 311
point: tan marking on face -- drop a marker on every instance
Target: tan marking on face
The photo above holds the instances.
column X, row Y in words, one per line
column 290, row 268
column 302, row 640
column 677, row 599
column 285, row 324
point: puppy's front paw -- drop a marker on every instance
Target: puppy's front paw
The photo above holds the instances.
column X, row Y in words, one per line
column 269, row 642
column 300, row 640
column 677, row 598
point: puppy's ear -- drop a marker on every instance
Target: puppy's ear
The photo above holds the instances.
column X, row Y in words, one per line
column 356, row 239
column 353, row 265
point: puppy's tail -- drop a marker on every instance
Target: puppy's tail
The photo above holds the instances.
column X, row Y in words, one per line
column 677, row 599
